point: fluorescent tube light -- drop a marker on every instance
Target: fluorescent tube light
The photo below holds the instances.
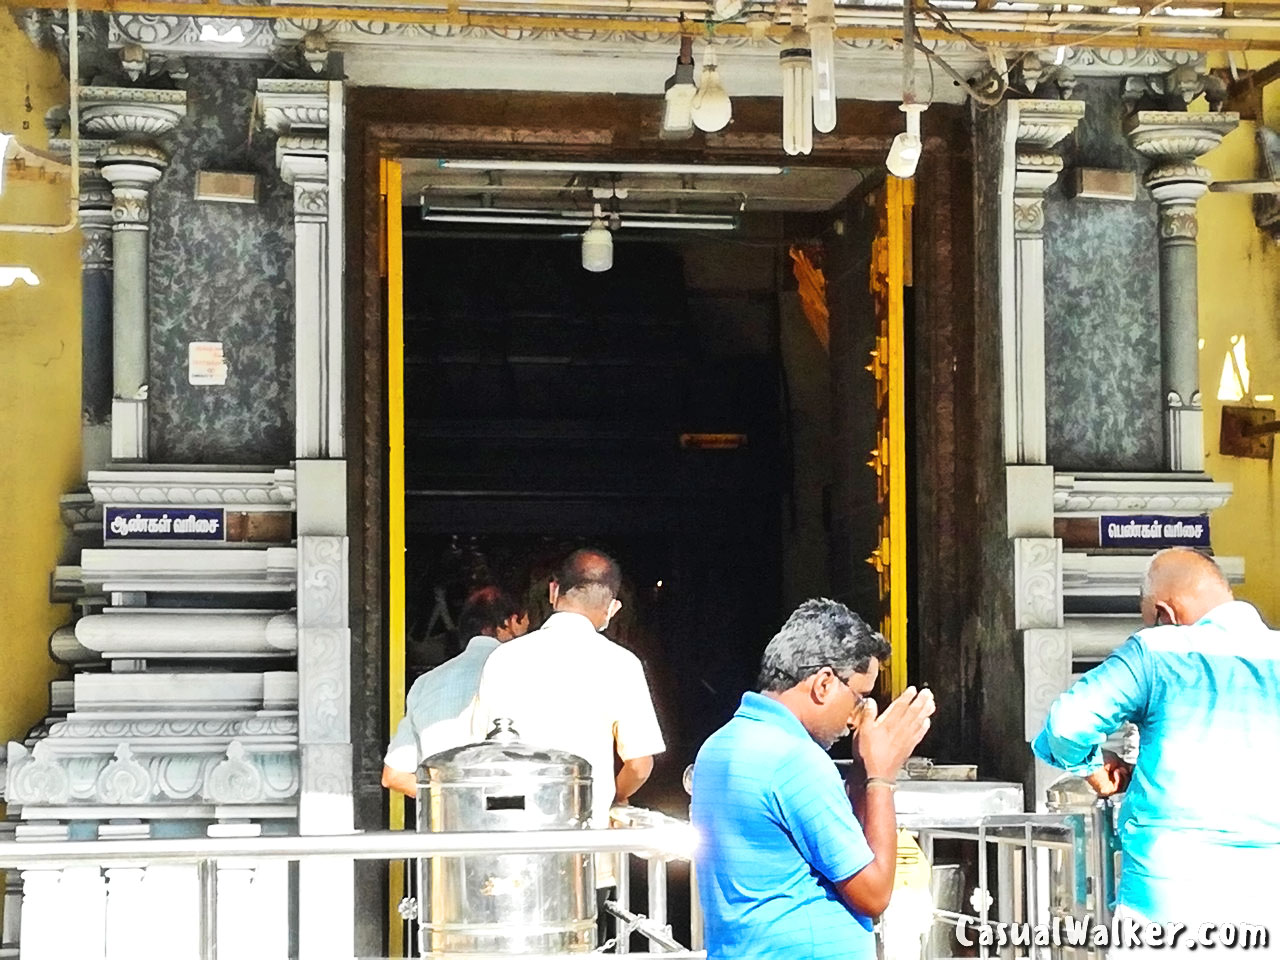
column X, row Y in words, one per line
column 567, row 166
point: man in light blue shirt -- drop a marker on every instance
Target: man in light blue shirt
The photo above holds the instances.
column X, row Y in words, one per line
column 785, row 869
column 1200, row 823
column 434, row 709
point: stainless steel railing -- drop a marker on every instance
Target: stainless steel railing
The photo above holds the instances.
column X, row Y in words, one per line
column 657, row 838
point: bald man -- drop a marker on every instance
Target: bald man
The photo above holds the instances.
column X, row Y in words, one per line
column 1200, row 823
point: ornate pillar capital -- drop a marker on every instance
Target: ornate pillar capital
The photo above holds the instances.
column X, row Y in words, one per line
column 131, row 169
column 298, row 112
column 1041, row 126
column 130, row 113
column 294, row 106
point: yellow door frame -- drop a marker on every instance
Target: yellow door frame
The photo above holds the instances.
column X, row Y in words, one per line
column 393, row 270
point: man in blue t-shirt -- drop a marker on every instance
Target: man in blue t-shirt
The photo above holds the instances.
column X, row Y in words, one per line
column 1199, row 827
column 785, row 870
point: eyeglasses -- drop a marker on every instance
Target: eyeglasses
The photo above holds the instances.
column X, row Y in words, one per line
column 858, row 698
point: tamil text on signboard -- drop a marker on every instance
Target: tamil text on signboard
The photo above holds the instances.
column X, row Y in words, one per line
column 172, row 524
column 1153, row 531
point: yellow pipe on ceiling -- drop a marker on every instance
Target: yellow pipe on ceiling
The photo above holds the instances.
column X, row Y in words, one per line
column 1019, row 31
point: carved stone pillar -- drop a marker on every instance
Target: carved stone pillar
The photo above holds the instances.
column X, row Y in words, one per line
column 303, row 114
column 132, row 164
column 1174, row 141
column 1034, row 127
column 95, row 323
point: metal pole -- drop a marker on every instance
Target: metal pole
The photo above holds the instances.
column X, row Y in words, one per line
column 696, row 935
column 624, row 901
column 657, row 895
column 374, row 845
column 1032, row 878
column 207, row 878
column 983, row 892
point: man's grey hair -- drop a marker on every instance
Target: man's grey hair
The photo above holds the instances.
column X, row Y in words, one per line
column 820, row 633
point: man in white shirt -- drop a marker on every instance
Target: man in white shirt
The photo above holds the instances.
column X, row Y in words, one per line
column 569, row 688
column 437, row 709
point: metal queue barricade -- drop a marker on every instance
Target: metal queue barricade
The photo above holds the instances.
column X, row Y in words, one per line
column 657, row 838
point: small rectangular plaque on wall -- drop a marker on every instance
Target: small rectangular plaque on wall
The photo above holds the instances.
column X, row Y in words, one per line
column 1145, row 532
column 206, row 364
column 167, row 524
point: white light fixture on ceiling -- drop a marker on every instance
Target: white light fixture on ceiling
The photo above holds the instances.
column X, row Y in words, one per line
column 822, row 36
column 905, row 152
column 726, row 9
column 711, row 110
column 796, row 59
column 677, row 97
column 574, row 166
column 597, row 245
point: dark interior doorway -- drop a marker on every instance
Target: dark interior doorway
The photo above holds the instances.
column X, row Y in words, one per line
column 548, row 407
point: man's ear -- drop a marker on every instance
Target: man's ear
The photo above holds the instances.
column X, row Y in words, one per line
column 1165, row 615
column 553, row 593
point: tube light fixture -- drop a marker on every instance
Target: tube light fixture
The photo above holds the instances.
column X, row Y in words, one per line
column 570, row 166
column 640, row 222
column 796, row 59
column 569, row 215
column 711, row 109
column 822, row 36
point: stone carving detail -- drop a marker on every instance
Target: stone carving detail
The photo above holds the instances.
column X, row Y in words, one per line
column 1178, row 222
column 1170, row 135
column 118, row 487
column 62, row 770
column 326, row 769
column 1175, row 90
column 1046, row 661
column 34, row 778
column 322, row 677
column 1037, row 582
column 124, row 780
column 283, row 727
column 1028, row 214
column 95, row 245
column 322, row 582
column 235, row 779
column 310, row 200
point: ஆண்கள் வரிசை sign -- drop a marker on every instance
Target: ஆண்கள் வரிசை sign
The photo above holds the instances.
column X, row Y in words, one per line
column 1153, row 531
column 170, row 524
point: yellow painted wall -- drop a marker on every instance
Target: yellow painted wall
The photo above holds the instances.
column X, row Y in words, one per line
column 1239, row 280
column 39, row 390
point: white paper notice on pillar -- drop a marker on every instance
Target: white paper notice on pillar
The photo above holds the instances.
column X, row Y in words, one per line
column 206, row 364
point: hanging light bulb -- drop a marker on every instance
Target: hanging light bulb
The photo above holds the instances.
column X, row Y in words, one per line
column 905, row 152
column 822, row 35
column 597, row 244
column 797, row 90
column 712, row 109
column 677, row 100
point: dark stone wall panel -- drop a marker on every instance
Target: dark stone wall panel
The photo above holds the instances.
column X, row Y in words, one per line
column 1102, row 307
column 222, row 272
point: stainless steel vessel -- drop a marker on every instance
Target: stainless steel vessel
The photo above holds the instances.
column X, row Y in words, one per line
column 509, row 903
column 1082, row 883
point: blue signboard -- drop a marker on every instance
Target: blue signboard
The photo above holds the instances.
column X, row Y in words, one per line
column 1142, row 532
column 168, row 524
